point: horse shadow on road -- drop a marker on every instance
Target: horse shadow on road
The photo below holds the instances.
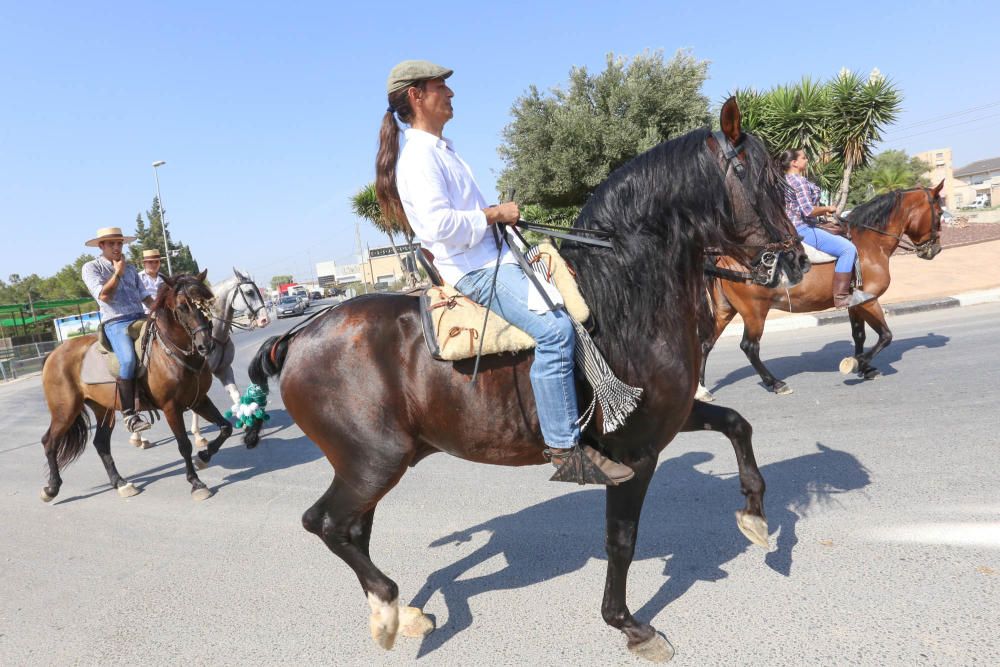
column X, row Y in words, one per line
column 268, row 456
column 687, row 523
column 827, row 358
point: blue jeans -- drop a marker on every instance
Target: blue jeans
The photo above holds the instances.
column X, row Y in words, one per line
column 123, row 345
column 831, row 244
column 552, row 371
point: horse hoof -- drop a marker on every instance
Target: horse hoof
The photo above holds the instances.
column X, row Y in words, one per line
column 848, row 365
column 414, row 623
column 703, row 395
column 200, row 442
column 128, row 490
column 783, row 389
column 46, row 496
column 654, row 649
column 871, row 374
column 199, row 462
column 201, row 494
column 384, row 621
column 753, row 527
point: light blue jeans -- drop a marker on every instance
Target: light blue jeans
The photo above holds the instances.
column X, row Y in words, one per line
column 123, row 345
column 552, row 371
column 831, row 244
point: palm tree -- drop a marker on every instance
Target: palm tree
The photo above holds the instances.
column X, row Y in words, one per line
column 859, row 112
column 892, row 177
column 365, row 205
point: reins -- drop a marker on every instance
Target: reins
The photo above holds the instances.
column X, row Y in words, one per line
column 907, row 244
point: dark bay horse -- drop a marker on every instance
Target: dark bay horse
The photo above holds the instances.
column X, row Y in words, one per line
column 177, row 379
column 360, row 382
column 876, row 228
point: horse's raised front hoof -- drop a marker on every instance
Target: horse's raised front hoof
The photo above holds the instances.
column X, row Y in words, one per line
column 781, row 389
column 414, row 623
column 128, row 490
column 384, row 621
column 754, row 527
column 654, row 649
column 849, row 365
column 199, row 462
column 200, row 442
column 703, row 394
column 201, row 493
column 48, row 494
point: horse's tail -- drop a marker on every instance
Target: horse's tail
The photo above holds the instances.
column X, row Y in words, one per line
column 269, row 360
column 72, row 443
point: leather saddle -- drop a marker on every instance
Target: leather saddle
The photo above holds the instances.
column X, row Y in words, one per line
column 100, row 365
column 452, row 323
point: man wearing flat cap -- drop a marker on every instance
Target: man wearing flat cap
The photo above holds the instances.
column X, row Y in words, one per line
column 150, row 276
column 428, row 185
column 121, row 296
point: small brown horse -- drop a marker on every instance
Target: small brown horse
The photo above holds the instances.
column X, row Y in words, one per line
column 177, row 379
column 360, row 383
column 876, row 228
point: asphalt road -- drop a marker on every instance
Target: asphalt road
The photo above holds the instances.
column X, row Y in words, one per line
column 885, row 534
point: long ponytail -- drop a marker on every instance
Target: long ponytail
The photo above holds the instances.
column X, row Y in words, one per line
column 388, row 153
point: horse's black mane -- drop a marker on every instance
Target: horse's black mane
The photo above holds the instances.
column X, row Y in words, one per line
column 185, row 283
column 664, row 208
column 875, row 212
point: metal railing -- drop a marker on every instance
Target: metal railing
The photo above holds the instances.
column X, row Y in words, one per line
column 20, row 360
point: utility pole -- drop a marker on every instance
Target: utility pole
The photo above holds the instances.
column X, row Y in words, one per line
column 163, row 220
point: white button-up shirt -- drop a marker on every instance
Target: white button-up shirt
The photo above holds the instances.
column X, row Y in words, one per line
column 444, row 206
column 152, row 285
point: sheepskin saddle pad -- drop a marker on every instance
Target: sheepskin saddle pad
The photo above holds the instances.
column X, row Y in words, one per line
column 453, row 323
column 100, row 365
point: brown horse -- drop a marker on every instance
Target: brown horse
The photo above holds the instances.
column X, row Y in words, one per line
column 177, row 379
column 360, row 383
column 876, row 228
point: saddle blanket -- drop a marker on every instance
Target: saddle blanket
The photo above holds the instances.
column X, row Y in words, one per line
column 817, row 256
column 100, row 365
column 453, row 322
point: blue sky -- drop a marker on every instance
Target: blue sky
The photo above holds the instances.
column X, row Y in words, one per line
column 267, row 113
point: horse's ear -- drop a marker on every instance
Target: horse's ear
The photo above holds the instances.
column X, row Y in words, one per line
column 937, row 188
column 201, row 276
column 170, row 280
column 730, row 119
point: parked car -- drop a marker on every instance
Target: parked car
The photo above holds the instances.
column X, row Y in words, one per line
column 289, row 306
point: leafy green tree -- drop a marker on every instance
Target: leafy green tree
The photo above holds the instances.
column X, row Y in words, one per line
column 280, row 280
column 150, row 236
column 889, row 168
column 364, row 203
column 562, row 144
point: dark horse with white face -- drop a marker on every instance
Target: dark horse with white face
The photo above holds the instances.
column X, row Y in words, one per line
column 361, row 384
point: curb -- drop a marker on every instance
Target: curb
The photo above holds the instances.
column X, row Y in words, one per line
column 891, row 310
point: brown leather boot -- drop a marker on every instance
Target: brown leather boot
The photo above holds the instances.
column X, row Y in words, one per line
column 843, row 297
column 614, row 471
column 134, row 422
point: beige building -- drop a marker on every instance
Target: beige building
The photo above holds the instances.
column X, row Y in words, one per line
column 377, row 267
column 939, row 160
column 978, row 182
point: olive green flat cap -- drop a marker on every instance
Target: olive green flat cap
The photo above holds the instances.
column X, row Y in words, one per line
column 411, row 71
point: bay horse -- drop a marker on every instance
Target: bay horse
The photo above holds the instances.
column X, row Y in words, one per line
column 876, row 227
column 238, row 292
column 177, row 379
column 360, row 383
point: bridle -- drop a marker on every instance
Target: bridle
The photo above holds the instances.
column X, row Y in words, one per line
column 765, row 265
column 238, row 289
column 907, row 244
column 174, row 351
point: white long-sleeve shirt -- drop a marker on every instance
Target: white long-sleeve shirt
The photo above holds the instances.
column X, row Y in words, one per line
column 444, row 206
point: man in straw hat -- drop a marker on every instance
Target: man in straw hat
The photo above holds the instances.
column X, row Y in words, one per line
column 150, row 276
column 426, row 183
column 120, row 295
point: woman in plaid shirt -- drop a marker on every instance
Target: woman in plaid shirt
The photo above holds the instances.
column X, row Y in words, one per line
column 801, row 204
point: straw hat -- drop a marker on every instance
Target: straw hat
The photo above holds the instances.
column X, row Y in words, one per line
column 151, row 255
column 109, row 234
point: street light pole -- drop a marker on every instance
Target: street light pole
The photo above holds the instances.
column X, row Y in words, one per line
column 163, row 222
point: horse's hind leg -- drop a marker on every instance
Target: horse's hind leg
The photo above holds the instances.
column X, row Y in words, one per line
column 64, row 440
column 624, row 503
column 342, row 518
column 102, row 443
column 175, row 418
column 750, row 520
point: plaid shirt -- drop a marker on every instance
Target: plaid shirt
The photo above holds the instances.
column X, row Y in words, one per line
column 801, row 198
column 127, row 298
